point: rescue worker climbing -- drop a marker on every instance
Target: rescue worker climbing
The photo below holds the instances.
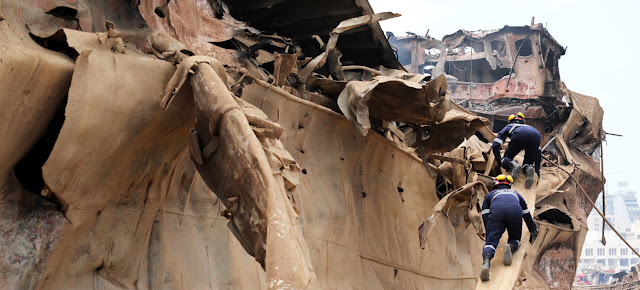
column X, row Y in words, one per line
column 504, row 208
column 523, row 137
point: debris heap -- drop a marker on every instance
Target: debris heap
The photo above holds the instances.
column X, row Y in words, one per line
column 231, row 144
column 496, row 73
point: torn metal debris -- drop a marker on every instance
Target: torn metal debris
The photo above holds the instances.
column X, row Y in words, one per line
column 495, row 73
column 276, row 144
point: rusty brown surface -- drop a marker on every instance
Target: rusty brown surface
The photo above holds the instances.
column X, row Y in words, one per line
column 478, row 64
column 487, row 75
column 104, row 189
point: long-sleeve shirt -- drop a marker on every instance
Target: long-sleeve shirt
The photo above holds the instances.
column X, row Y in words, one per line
column 507, row 202
column 520, row 134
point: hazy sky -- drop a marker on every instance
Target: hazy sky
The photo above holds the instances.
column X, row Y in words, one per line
column 602, row 58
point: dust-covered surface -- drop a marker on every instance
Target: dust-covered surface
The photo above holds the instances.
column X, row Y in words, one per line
column 201, row 144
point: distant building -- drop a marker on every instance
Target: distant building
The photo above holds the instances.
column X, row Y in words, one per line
column 615, row 255
column 623, row 212
column 630, row 200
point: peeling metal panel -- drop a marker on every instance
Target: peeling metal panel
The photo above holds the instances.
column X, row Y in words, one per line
column 141, row 217
column 496, row 73
column 301, row 20
column 483, row 67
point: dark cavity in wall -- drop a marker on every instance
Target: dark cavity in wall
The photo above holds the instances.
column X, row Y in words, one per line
column 443, row 187
column 524, row 47
column 56, row 42
column 556, row 217
column 481, row 137
column 28, row 171
column 227, row 44
column 66, row 13
column 477, row 71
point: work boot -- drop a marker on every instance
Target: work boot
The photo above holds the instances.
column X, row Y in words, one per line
column 484, row 274
column 508, row 256
column 515, row 169
column 529, row 171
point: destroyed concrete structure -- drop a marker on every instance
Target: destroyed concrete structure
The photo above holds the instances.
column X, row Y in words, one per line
column 495, row 73
column 233, row 144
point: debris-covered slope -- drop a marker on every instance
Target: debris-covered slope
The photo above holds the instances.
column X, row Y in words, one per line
column 496, row 73
column 226, row 144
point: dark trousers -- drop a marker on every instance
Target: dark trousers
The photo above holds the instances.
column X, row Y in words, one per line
column 530, row 145
column 496, row 224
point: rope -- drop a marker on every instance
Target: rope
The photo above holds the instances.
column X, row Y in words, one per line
column 604, row 208
column 454, row 66
column 470, row 70
column 516, row 58
column 593, row 204
column 544, row 62
column 389, row 264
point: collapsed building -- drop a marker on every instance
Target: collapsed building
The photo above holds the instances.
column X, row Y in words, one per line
column 316, row 160
column 495, row 73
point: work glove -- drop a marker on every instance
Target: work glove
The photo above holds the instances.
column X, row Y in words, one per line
column 533, row 236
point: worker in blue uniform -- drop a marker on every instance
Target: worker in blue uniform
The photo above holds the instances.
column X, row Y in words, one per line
column 504, row 208
column 522, row 137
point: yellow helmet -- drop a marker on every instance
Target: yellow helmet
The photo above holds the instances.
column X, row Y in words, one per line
column 519, row 116
column 504, row 179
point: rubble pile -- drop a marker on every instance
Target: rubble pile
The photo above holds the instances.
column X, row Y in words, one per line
column 280, row 144
column 496, row 73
